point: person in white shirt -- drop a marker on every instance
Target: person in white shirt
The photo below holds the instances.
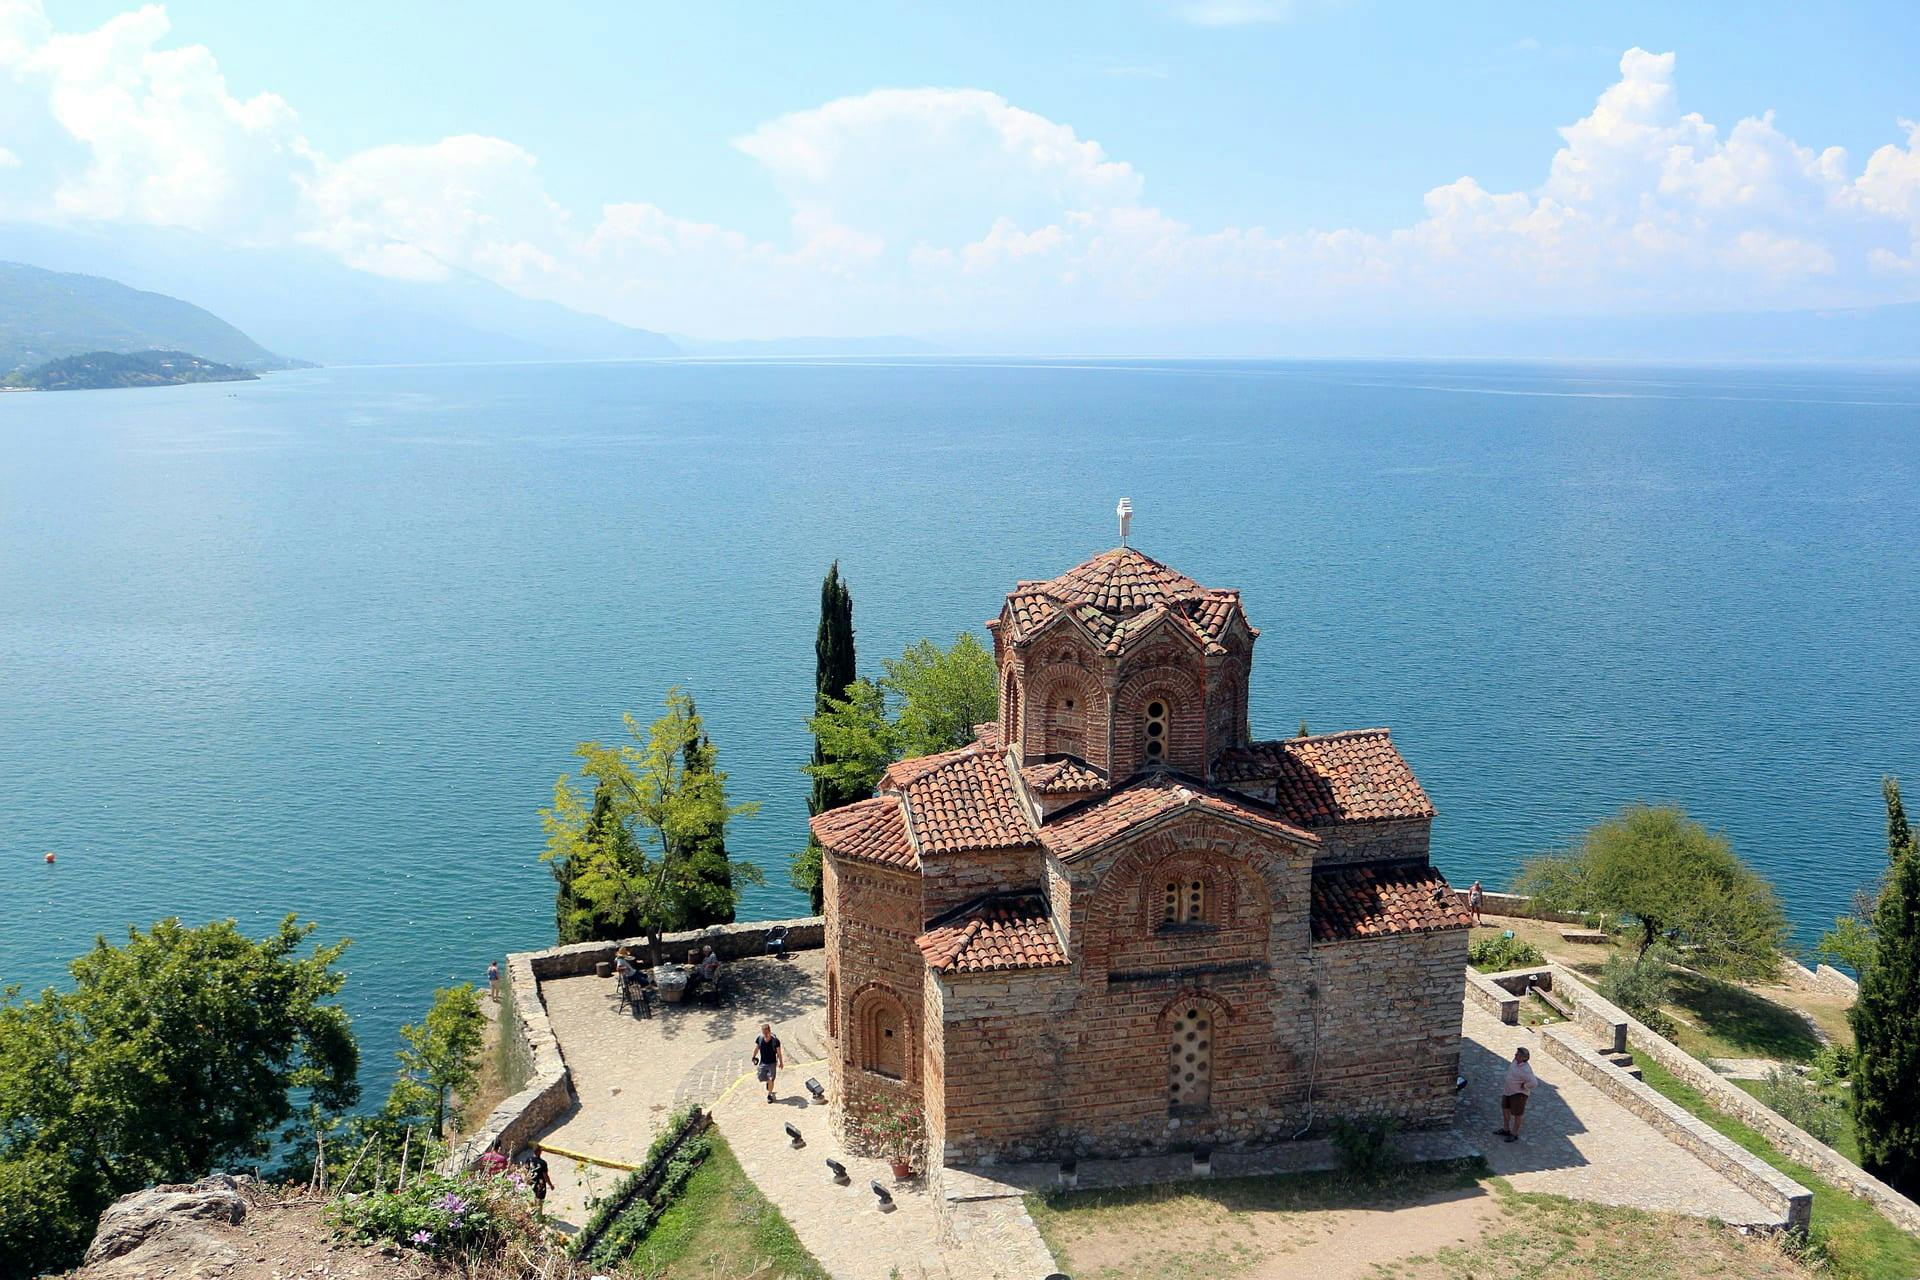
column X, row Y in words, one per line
column 1514, row 1092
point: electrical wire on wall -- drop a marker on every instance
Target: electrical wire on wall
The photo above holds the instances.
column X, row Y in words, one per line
column 1313, row 1060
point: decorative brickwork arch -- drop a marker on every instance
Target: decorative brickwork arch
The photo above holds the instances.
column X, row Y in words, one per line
column 1159, row 720
column 1070, row 713
column 1191, row 1025
column 1010, row 731
column 882, row 1036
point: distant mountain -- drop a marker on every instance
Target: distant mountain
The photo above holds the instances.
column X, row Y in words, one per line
column 45, row 315
column 101, row 370
column 306, row 301
column 779, row 347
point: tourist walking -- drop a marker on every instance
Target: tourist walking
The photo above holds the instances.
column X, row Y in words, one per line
column 1514, row 1092
column 1473, row 901
column 768, row 1056
column 493, row 978
column 541, row 1180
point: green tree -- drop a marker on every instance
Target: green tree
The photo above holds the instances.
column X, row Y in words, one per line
column 1679, row 882
column 833, row 674
column 1886, row 1029
column 441, row 1049
column 175, row 1053
column 1850, row 941
column 929, row 700
column 650, row 855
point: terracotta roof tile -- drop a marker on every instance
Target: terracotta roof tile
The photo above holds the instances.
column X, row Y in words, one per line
column 1075, row 831
column 1333, row 777
column 1063, row 775
column 965, row 801
column 901, row 773
column 1370, row 902
column 1117, row 595
column 1001, row 934
column 870, row 831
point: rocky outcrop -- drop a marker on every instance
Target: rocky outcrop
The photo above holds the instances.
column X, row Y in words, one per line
column 134, row 1219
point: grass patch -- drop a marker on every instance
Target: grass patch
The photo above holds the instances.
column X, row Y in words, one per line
column 1861, row 1244
column 1722, row 1020
column 1220, row 1227
column 1551, row 1236
column 721, row 1228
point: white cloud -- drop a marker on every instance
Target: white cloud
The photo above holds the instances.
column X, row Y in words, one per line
column 945, row 209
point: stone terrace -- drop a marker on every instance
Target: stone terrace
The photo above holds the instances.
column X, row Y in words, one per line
column 630, row 1071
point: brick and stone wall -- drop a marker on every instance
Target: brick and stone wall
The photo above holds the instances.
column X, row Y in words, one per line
column 1389, row 1026
column 874, row 913
column 1405, row 838
column 950, row 880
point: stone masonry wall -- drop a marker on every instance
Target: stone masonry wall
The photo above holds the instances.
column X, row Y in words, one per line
column 1389, row 1026
column 873, row 916
column 1004, row 1041
column 952, row 879
column 1374, row 841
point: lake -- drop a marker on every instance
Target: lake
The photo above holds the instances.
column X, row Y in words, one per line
column 322, row 643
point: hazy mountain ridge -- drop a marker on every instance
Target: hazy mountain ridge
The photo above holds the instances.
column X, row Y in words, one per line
column 48, row 315
column 303, row 300
column 105, row 370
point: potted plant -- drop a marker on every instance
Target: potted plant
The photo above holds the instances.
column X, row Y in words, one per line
column 898, row 1131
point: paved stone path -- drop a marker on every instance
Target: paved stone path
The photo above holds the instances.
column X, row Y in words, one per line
column 631, row 1072
column 1578, row 1142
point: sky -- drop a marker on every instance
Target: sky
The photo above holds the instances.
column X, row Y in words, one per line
column 774, row 170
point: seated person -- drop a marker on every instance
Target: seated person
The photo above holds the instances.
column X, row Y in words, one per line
column 709, row 968
column 623, row 966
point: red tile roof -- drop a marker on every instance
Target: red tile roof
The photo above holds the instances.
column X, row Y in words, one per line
column 1064, row 775
column 1371, row 902
column 1120, row 594
column 871, row 831
column 902, row 772
column 965, row 801
column 1332, row 777
column 1001, row 934
column 1076, row 831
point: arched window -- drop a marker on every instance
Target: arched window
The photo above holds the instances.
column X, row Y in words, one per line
column 1012, row 708
column 1066, row 723
column 1190, row 1059
column 1156, row 728
column 833, row 1001
column 1183, row 900
column 883, row 1035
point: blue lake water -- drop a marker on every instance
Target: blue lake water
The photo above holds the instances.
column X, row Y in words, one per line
column 322, row 643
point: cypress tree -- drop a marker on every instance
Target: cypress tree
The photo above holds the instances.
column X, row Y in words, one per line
column 1886, row 1028
column 1899, row 835
column 833, row 672
column 711, row 898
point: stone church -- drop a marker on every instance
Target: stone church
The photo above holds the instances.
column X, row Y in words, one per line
column 1116, row 923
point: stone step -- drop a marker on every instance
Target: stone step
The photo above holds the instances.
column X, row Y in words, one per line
column 1592, row 937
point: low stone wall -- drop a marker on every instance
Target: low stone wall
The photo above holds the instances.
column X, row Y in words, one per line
column 1791, row 1139
column 531, row 1052
column 1781, row 1194
column 1519, row 904
column 1605, row 1021
column 1837, row 982
column 1500, row 993
column 1493, row 997
column 729, row 942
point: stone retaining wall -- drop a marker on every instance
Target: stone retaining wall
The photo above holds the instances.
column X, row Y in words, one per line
column 1500, row 993
column 1781, row 1194
column 531, row 1052
column 1737, row 1102
column 1519, row 904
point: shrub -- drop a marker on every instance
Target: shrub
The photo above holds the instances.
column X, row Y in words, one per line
column 1365, row 1149
column 1832, row 1065
column 1499, row 953
column 1640, row 985
column 1800, row 1101
column 437, row 1215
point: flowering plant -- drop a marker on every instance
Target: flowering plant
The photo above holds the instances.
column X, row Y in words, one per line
column 898, row 1129
column 438, row 1215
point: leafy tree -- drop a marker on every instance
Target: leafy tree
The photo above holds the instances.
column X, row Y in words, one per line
column 833, row 673
column 1886, row 1029
column 1850, row 941
column 440, row 1057
column 175, row 1053
column 1680, row 882
column 928, row 701
column 653, row 854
